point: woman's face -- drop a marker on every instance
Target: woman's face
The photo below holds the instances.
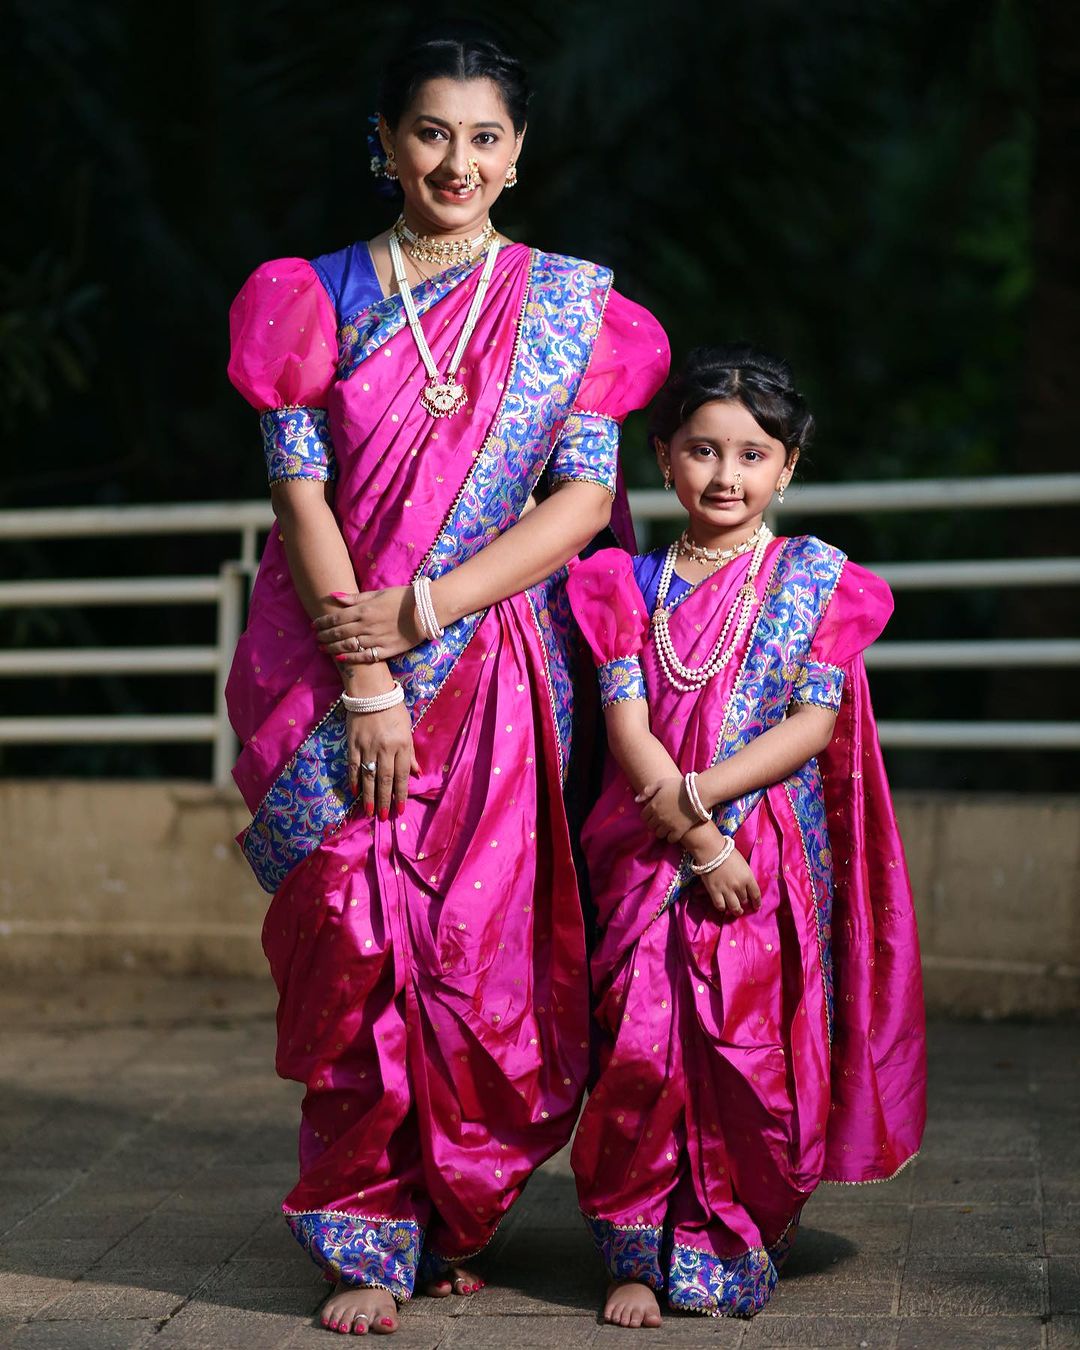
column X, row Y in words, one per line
column 726, row 468
column 449, row 123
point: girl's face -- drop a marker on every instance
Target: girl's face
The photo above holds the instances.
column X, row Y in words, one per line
column 725, row 470
column 449, row 123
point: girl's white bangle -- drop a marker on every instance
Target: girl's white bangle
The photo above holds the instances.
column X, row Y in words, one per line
column 690, row 783
column 425, row 609
column 376, row 703
column 700, row 869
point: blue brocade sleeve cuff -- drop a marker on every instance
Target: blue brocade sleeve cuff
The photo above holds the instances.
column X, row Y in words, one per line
column 296, row 442
column 587, row 451
column 820, row 684
column 621, row 680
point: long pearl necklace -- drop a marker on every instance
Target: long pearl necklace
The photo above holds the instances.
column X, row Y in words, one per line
column 687, row 679
column 446, row 252
column 441, row 397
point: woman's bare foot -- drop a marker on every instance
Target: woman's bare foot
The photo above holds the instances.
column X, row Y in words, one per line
column 353, row 1308
column 630, row 1304
column 457, row 1280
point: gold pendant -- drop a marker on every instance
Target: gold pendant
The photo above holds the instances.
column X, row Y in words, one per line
column 443, row 400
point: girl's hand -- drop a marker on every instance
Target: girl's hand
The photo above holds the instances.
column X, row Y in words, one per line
column 383, row 620
column 731, row 887
column 384, row 739
column 667, row 810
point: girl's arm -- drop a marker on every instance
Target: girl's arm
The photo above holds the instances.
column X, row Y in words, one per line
column 769, row 758
column 545, row 537
column 642, row 758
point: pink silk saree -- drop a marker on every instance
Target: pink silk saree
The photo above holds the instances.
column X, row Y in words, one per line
column 431, row 969
column 743, row 1061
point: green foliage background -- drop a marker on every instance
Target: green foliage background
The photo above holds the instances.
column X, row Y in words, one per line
column 847, row 183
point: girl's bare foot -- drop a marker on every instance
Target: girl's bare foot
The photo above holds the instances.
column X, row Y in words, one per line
column 353, row 1308
column 630, row 1304
column 457, row 1280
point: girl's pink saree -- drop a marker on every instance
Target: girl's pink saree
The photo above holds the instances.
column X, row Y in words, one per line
column 745, row 1060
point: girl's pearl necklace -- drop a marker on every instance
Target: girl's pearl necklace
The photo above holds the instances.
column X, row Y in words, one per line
column 687, row 679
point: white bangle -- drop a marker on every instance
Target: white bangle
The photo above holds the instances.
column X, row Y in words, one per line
column 376, row 703
column 690, row 782
column 425, row 609
column 701, row 869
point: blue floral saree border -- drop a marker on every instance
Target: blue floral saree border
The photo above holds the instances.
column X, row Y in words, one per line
column 369, row 1252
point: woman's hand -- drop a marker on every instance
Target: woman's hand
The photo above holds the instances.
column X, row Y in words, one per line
column 370, row 627
column 667, row 810
column 731, row 887
column 385, row 740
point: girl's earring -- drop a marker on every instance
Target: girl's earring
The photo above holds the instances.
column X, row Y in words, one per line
column 511, row 176
column 390, row 167
column 667, row 477
column 781, row 487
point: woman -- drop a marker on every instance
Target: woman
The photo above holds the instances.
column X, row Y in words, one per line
column 420, row 394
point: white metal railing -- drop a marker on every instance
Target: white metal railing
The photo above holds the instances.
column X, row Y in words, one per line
column 246, row 521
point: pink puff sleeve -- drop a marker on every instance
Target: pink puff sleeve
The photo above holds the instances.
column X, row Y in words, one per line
column 855, row 616
column 629, row 362
column 283, row 331
column 614, row 620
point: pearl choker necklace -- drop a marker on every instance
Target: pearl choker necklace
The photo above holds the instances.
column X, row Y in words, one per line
column 445, row 252
column 699, row 553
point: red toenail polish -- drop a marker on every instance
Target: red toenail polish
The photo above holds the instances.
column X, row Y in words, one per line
column 386, row 1321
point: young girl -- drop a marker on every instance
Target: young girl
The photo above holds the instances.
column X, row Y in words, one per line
column 756, row 975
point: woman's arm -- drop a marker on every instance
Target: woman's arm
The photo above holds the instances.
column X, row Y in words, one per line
column 320, row 567
column 731, row 887
column 539, row 543
column 319, row 563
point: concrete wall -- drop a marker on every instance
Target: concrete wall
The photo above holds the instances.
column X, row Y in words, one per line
column 108, row 876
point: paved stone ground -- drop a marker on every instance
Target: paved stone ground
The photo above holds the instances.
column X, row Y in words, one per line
column 145, row 1145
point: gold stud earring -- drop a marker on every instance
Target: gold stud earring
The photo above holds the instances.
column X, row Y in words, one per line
column 511, row 175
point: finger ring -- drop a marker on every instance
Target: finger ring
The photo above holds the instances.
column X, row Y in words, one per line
column 356, row 645
column 374, row 654
column 369, row 765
